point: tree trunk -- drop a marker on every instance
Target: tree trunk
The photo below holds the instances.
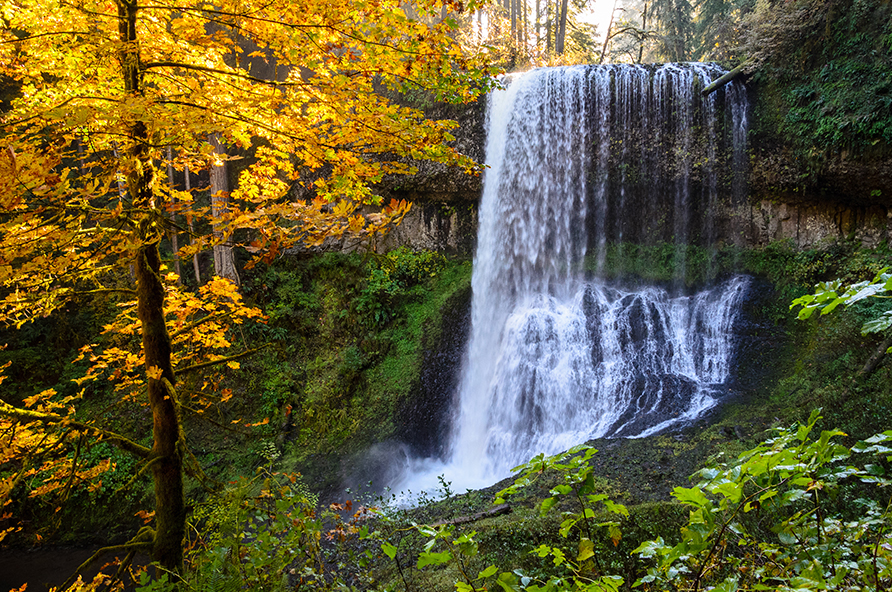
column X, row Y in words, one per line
column 548, row 22
column 724, row 79
column 643, row 33
column 538, row 26
column 224, row 261
column 195, row 267
column 513, row 10
column 561, row 32
column 607, row 33
column 166, row 456
column 525, row 27
column 167, row 450
column 174, row 239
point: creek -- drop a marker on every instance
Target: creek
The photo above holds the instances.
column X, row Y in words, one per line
column 42, row 568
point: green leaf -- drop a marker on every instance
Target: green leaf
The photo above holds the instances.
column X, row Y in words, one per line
column 616, row 535
column 430, row 558
column 507, row 581
column 786, row 538
column 875, row 470
column 729, row 585
column 616, row 508
column 731, row 490
column 691, row 496
column 651, row 548
column 879, row 324
column 586, row 550
column 542, row 551
column 489, row 571
column 389, row 550
column 546, row 505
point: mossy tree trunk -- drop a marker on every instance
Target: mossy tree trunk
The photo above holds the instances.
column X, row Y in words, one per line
column 166, row 458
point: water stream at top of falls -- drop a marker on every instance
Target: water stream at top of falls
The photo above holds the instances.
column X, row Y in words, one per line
column 583, row 159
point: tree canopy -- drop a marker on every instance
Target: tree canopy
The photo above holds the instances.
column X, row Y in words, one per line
column 108, row 91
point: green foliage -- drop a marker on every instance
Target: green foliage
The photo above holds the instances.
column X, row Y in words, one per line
column 778, row 261
column 119, row 480
column 258, row 534
column 349, row 334
column 788, row 482
column 717, row 28
column 662, row 262
column 676, row 29
column 825, row 69
column 390, row 281
column 798, row 511
column 576, row 480
column 828, row 296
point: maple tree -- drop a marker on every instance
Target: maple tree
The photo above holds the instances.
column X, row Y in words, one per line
column 107, row 89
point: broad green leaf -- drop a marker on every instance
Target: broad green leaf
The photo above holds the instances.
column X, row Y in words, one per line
column 586, row 550
column 542, row 550
column 546, row 505
column 692, row 496
column 878, row 324
column 389, row 550
column 786, row 538
column 561, row 490
column 651, row 548
column 507, row 581
column 489, row 571
column 729, row 585
column 430, row 558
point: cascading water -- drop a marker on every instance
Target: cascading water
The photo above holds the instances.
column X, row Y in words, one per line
column 582, row 158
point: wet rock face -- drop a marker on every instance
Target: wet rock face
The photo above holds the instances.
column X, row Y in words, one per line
column 435, row 182
column 809, row 224
column 425, row 420
column 446, row 227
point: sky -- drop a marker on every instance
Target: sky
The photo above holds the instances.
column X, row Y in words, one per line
column 597, row 13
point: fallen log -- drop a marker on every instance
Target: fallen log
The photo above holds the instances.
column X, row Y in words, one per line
column 496, row 511
column 723, row 79
column 876, row 358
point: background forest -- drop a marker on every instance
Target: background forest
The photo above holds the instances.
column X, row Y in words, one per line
column 237, row 176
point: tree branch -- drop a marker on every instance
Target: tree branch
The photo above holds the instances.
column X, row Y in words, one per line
column 229, row 116
column 30, row 37
column 141, row 542
column 151, row 65
column 210, row 363
column 198, row 323
column 874, row 361
column 118, row 440
column 103, row 291
column 137, row 475
column 329, row 26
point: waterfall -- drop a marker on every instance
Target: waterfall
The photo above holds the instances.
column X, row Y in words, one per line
column 582, row 158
